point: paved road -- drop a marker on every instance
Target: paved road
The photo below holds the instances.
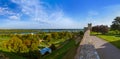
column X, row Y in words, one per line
column 105, row 49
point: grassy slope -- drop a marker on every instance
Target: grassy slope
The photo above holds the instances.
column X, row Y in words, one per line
column 58, row 54
column 70, row 53
column 114, row 39
column 12, row 55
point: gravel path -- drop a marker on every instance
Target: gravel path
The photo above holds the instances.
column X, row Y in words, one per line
column 105, row 49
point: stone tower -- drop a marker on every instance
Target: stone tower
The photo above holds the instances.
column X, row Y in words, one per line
column 89, row 26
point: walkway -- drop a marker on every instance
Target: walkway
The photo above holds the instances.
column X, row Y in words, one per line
column 86, row 49
column 105, row 49
column 90, row 44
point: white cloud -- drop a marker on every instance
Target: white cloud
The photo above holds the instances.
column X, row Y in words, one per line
column 103, row 16
column 14, row 17
column 43, row 17
column 9, row 14
column 5, row 11
column 93, row 13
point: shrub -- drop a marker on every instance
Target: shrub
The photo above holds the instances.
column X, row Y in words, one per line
column 53, row 47
column 81, row 33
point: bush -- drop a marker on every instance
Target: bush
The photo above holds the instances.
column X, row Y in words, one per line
column 47, row 38
column 81, row 33
column 53, row 47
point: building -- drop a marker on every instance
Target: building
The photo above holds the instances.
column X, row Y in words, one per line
column 89, row 27
column 45, row 50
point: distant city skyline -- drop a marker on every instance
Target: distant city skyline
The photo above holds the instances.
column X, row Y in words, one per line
column 57, row 14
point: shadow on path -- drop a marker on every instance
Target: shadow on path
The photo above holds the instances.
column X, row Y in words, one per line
column 106, row 50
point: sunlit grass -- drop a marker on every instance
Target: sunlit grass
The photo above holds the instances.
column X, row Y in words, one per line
column 113, row 39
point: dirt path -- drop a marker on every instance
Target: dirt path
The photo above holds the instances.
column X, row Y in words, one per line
column 105, row 49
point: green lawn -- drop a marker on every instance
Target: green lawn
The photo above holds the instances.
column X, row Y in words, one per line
column 94, row 33
column 114, row 39
column 59, row 54
column 4, row 38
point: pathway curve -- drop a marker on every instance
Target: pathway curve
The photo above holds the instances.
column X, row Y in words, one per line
column 105, row 49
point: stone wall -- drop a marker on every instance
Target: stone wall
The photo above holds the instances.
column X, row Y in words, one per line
column 86, row 49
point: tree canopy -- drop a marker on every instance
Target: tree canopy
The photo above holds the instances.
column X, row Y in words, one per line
column 100, row 28
column 116, row 24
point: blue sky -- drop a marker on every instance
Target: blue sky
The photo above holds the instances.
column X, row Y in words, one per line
column 56, row 14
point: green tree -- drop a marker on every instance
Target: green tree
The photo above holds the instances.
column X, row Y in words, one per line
column 100, row 28
column 68, row 35
column 116, row 24
column 14, row 44
column 61, row 35
column 95, row 28
column 81, row 33
column 23, row 49
column 103, row 29
column 54, row 35
column 34, row 47
column 53, row 47
column 49, row 38
column 27, row 42
column 42, row 35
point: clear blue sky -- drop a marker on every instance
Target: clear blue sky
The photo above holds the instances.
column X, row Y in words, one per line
column 44, row 14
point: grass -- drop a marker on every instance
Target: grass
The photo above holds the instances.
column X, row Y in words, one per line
column 109, row 37
column 113, row 39
column 94, row 33
column 12, row 55
column 59, row 54
column 4, row 38
column 71, row 53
